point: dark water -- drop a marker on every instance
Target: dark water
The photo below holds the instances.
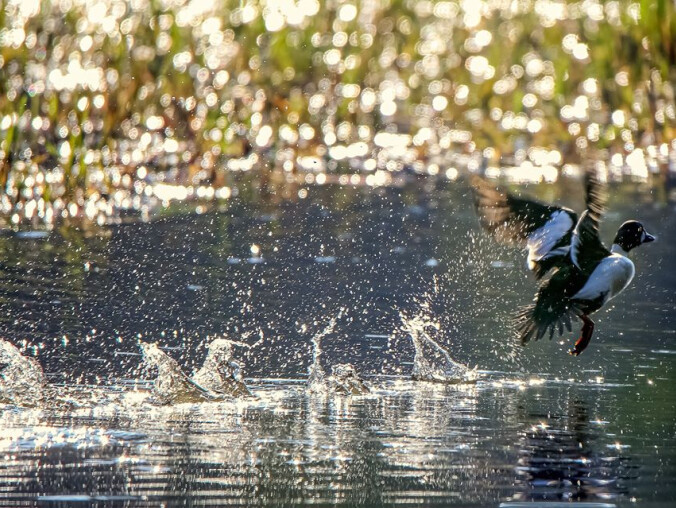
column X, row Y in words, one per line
column 537, row 426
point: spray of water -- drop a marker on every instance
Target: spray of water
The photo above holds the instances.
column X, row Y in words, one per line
column 172, row 386
column 22, row 381
column 344, row 378
column 220, row 373
column 317, row 379
column 432, row 361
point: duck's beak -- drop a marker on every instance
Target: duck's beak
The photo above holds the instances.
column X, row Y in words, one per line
column 648, row 238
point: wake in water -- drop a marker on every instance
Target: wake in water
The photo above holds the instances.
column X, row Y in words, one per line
column 22, row 381
column 343, row 380
column 432, row 361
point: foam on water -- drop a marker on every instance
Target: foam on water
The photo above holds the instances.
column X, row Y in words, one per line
column 345, row 380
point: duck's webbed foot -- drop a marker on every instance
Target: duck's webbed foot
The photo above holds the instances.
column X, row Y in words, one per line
column 585, row 336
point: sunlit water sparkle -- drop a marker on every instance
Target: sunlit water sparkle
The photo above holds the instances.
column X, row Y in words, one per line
column 541, row 427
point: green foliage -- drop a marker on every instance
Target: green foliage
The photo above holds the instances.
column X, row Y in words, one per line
column 192, row 86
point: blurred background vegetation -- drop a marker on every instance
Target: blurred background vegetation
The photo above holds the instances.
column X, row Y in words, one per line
column 108, row 105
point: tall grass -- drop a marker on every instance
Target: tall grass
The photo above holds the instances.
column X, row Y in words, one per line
column 91, row 91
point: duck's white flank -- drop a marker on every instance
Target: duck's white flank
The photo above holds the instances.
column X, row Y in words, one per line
column 541, row 241
column 608, row 279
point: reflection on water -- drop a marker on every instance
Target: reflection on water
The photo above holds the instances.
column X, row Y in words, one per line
column 404, row 442
column 560, row 459
column 340, row 267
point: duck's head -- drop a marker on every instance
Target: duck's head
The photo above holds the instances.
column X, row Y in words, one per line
column 631, row 234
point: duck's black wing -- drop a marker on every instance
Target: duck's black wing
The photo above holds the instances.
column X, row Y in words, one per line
column 586, row 248
column 596, row 197
column 545, row 230
column 552, row 309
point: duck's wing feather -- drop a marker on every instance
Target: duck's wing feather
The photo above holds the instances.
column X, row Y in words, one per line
column 586, row 248
column 553, row 309
column 596, row 197
column 510, row 220
column 544, row 229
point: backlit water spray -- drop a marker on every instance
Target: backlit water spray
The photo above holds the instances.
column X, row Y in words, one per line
column 432, row 361
column 344, row 378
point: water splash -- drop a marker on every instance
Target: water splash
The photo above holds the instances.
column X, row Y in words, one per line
column 317, row 379
column 172, row 386
column 22, row 380
column 220, row 373
column 432, row 361
column 345, row 380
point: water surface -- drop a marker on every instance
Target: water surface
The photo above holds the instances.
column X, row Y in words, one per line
column 537, row 425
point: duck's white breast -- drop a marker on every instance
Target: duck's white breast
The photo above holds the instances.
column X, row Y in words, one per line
column 609, row 278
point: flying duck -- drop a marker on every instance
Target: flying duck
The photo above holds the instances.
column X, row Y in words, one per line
column 585, row 274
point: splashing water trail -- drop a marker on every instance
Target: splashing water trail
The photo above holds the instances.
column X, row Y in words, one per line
column 22, row 381
column 317, row 379
column 432, row 361
column 172, row 386
column 220, row 373
column 345, row 380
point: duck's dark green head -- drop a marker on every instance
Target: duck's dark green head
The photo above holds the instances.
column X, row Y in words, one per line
column 632, row 234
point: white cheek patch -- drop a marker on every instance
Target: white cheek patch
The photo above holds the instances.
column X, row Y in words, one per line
column 643, row 236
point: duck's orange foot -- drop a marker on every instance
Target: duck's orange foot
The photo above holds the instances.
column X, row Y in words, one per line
column 585, row 336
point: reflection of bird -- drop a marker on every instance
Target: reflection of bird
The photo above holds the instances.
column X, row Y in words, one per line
column 585, row 273
column 563, row 458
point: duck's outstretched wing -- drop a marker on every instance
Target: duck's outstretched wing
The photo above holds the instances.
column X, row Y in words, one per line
column 544, row 229
column 553, row 309
column 596, row 197
column 510, row 220
column 586, row 248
